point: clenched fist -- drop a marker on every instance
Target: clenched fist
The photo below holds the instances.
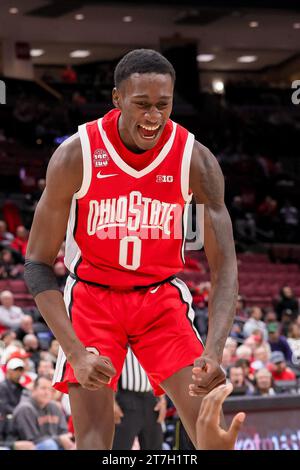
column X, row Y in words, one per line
column 93, row 371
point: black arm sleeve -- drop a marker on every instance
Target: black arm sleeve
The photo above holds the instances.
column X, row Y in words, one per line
column 39, row 277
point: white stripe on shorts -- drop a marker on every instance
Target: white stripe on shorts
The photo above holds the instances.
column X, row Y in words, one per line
column 187, row 297
column 61, row 358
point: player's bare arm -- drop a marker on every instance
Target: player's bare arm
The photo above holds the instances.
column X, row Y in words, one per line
column 207, row 184
column 64, row 177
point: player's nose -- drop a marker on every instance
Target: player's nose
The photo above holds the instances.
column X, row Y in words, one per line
column 153, row 117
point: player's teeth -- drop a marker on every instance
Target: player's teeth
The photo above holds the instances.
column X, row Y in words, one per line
column 150, row 128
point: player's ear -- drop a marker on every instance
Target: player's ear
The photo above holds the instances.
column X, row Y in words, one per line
column 115, row 97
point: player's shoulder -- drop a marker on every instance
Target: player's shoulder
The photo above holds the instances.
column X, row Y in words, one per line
column 202, row 157
column 69, row 154
column 65, row 169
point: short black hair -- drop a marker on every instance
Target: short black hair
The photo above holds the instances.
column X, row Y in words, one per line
column 142, row 61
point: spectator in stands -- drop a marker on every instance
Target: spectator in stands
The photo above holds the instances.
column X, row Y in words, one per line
column 237, row 331
column 231, row 344
column 287, row 319
column 248, row 376
column 41, row 421
column 9, row 267
column 7, row 337
column 32, row 347
column 241, row 308
column 10, row 394
column 29, row 374
column 10, row 314
column 226, row 359
column 294, row 342
column 60, row 274
column 200, row 305
column 278, row 342
column 240, row 317
column 25, row 328
column 278, row 367
column 252, row 343
column 261, row 357
column 258, row 337
column 290, row 217
column 255, row 323
column 5, row 237
column 69, row 75
column 270, row 317
column 45, row 368
column 287, row 302
column 244, row 352
column 264, row 383
column 53, row 350
column 244, row 222
column 267, row 216
column 237, row 378
column 21, row 240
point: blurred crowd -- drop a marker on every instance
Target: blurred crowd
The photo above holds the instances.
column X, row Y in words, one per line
column 262, row 353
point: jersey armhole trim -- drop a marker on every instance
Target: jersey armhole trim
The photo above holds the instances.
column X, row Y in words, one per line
column 185, row 166
column 86, row 160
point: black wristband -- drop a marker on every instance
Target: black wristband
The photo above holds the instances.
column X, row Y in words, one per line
column 39, row 277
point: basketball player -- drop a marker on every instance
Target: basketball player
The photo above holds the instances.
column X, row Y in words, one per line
column 127, row 172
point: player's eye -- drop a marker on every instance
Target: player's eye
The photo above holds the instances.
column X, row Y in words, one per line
column 162, row 105
column 142, row 104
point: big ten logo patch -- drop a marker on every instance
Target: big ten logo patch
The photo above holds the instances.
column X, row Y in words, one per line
column 100, row 158
column 164, row 178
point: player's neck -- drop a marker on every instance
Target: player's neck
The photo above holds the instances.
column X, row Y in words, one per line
column 126, row 138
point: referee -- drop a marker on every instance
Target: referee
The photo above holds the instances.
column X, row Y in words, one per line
column 137, row 411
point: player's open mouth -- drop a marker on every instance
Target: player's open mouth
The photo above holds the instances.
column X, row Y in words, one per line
column 148, row 132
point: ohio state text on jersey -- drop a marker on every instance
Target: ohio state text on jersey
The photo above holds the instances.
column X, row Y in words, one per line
column 126, row 226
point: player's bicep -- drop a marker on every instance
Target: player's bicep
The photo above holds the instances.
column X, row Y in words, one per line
column 47, row 231
column 51, row 215
column 207, row 183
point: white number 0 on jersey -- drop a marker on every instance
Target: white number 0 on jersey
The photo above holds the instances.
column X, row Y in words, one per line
column 136, row 256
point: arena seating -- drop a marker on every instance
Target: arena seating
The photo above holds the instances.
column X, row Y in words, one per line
column 260, row 280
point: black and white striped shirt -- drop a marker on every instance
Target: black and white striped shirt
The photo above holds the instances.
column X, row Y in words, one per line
column 133, row 376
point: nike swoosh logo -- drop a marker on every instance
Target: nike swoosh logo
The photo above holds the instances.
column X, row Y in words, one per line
column 99, row 175
column 155, row 289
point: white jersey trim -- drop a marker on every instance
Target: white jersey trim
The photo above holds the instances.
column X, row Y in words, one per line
column 73, row 251
column 123, row 165
column 185, row 166
column 185, row 223
column 86, row 160
column 187, row 297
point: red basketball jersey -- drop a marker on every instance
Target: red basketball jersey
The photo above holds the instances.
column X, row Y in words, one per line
column 126, row 226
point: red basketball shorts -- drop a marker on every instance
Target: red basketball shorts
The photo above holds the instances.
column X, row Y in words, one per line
column 156, row 322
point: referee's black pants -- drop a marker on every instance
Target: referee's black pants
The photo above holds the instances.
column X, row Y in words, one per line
column 139, row 419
